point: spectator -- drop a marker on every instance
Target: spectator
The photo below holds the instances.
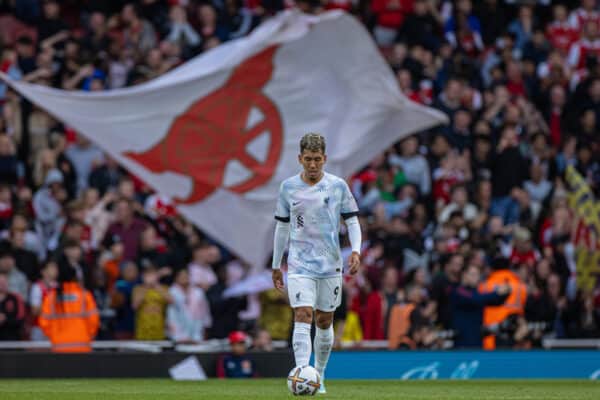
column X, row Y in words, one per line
column 390, row 294
column 12, row 311
column 443, row 285
column 237, row 364
column 238, row 17
column 16, row 280
column 467, row 306
column 514, row 304
column 153, row 250
column 51, row 23
column 522, row 252
column 9, row 162
column 84, row 157
column 181, row 31
column 138, row 33
column 523, row 26
column 149, row 300
column 410, row 323
column 128, row 227
column 389, row 15
column 225, row 310
column 585, row 13
column 69, row 317
column 121, row 301
column 463, row 29
column 508, row 173
column 421, row 26
column 71, row 257
column 189, row 315
column 47, row 205
column 96, row 214
column 39, row 291
column 587, row 46
column 559, row 32
column 459, row 201
column 208, row 26
column 413, row 164
column 262, row 341
column 537, row 186
column 111, row 261
column 201, row 272
column 96, row 37
column 26, row 260
column 105, row 176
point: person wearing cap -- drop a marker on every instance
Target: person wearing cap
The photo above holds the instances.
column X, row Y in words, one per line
column 237, row 364
column 69, row 317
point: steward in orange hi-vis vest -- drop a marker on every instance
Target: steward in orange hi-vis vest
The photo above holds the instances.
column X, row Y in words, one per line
column 69, row 317
column 514, row 304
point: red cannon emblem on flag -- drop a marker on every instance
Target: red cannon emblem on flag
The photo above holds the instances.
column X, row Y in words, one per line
column 219, row 128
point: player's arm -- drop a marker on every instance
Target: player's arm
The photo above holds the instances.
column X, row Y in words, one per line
column 282, row 233
column 349, row 211
column 355, row 236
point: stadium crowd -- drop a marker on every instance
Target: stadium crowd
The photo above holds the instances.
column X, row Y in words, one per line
column 479, row 205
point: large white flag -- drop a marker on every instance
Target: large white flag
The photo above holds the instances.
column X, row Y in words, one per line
column 222, row 131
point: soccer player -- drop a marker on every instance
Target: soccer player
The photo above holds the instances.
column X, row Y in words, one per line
column 308, row 213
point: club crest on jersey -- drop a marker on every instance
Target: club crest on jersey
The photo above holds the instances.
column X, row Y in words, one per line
column 300, row 221
column 326, row 200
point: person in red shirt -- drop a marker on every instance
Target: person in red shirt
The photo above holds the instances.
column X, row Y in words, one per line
column 390, row 15
column 523, row 251
column 560, row 33
column 586, row 13
column 39, row 291
column 587, row 46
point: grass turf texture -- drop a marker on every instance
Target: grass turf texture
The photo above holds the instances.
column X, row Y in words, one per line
column 266, row 389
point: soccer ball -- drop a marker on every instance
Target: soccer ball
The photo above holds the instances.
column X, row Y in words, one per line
column 304, row 381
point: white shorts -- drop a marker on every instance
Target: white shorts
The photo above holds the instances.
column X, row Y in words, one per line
column 323, row 294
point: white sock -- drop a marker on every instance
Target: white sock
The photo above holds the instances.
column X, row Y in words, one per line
column 323, row 345
column 301, row 343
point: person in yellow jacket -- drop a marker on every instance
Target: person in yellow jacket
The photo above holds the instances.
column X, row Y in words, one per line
column 69, row 317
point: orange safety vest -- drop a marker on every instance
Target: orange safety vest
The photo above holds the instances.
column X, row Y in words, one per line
column 399, row 325
column 514, row 304
column 72, row 323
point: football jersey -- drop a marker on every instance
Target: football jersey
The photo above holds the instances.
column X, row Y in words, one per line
column 314, row 215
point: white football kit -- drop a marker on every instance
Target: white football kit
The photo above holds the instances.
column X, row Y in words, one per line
column 315, row 263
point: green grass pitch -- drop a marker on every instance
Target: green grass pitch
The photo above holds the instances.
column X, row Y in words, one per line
column 267, row 389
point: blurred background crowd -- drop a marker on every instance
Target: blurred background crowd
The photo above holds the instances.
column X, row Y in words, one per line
column 470, row 235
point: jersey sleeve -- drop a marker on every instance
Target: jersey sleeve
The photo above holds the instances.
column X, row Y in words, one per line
column 348, row 207
column 282, row 213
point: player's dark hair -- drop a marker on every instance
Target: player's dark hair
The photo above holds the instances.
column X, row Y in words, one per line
column 312, row 142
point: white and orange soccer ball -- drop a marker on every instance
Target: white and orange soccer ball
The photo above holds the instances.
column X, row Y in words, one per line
column 304, row 381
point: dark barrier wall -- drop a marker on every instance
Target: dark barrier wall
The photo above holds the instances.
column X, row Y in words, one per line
column 124, row 364
column 583, row 364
